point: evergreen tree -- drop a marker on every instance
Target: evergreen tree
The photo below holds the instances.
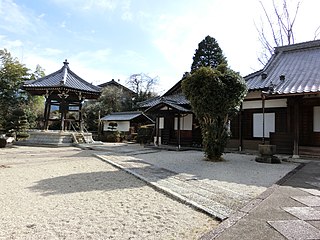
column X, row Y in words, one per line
column 38, row 73
column 12, row 76
column 214, row 94
column 111, row 100
column 208, row 54
column 17, row 122
column 214, row 91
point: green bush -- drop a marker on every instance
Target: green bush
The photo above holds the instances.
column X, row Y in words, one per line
column 113, row 136
column 22, row 135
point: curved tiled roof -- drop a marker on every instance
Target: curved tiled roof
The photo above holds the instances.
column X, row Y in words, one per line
column 114, row 83
column 62, row 78
column 177, row 99
column 299, row 68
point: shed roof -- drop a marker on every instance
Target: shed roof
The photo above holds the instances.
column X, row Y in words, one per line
column 124, row 116
column 293, row 69
column 63, row 78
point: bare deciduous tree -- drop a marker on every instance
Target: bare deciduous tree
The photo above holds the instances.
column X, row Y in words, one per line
column 141, row 82
column 279, row 30
column 316, row 33
column 143, row 85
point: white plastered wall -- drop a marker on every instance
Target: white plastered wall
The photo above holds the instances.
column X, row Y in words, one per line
column 123, row 126
column 271, row 103
column 185, row 122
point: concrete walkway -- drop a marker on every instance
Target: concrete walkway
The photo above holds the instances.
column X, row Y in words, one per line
column 290, row 210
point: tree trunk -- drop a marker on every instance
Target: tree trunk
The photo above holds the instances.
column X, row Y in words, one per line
column 215, row 136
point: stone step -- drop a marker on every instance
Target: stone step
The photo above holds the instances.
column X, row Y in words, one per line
column 228, row 199
column 207, row 201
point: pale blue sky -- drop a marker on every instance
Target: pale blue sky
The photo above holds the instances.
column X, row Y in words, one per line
column 112, row 39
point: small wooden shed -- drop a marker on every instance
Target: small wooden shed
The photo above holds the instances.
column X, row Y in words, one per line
column 125, row 121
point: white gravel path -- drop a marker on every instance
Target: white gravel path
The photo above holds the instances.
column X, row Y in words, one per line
column 65, row 193
column 240, row 169
column 231, row 184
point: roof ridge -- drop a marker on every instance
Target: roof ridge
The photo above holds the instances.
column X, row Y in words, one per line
column 63, row 78
column 298, row 46
column 84, row 81
column 42, row 78
column 173, row 88
column 271, row 62
column 102, row 85
column 253, row 74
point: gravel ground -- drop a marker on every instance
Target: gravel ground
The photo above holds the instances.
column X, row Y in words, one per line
column 220, row 187
column 238, row 169
column 65, row 193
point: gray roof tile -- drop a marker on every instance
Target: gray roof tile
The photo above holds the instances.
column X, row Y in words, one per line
column 299, row 63
column 63, row 78
column 177, row 99
column 124, row 116
column 114, row 83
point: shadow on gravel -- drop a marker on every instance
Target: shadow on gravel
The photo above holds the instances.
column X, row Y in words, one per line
column 86, row 182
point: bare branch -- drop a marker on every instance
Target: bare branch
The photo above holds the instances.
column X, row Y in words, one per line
column 316, row 33
column 267, row 49
column 280, row 25
column 270, row 22
column 294, row 19
column 142, row 83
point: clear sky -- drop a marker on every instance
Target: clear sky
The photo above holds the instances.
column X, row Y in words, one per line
column 112, row 39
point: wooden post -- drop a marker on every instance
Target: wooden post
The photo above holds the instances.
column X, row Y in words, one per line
column 263, row 120
column 240, row 130
column 296, row 129
column 100, row 127
column 179, row 133
column 157, row 129
column 46, row 115
column 80, row 116
column 62, row 110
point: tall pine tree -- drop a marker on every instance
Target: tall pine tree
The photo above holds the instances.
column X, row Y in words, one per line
column 208, row 54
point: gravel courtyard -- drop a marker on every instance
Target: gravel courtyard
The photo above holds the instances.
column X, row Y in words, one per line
column 66, row 193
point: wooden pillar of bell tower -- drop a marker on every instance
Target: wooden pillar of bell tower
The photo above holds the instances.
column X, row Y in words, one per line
column 80, row 117
column 63, row 108
column 46, row 114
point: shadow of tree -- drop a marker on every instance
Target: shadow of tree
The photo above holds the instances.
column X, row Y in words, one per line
column 86, row 182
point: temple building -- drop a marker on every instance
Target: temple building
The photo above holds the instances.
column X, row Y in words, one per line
column 66, row 91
